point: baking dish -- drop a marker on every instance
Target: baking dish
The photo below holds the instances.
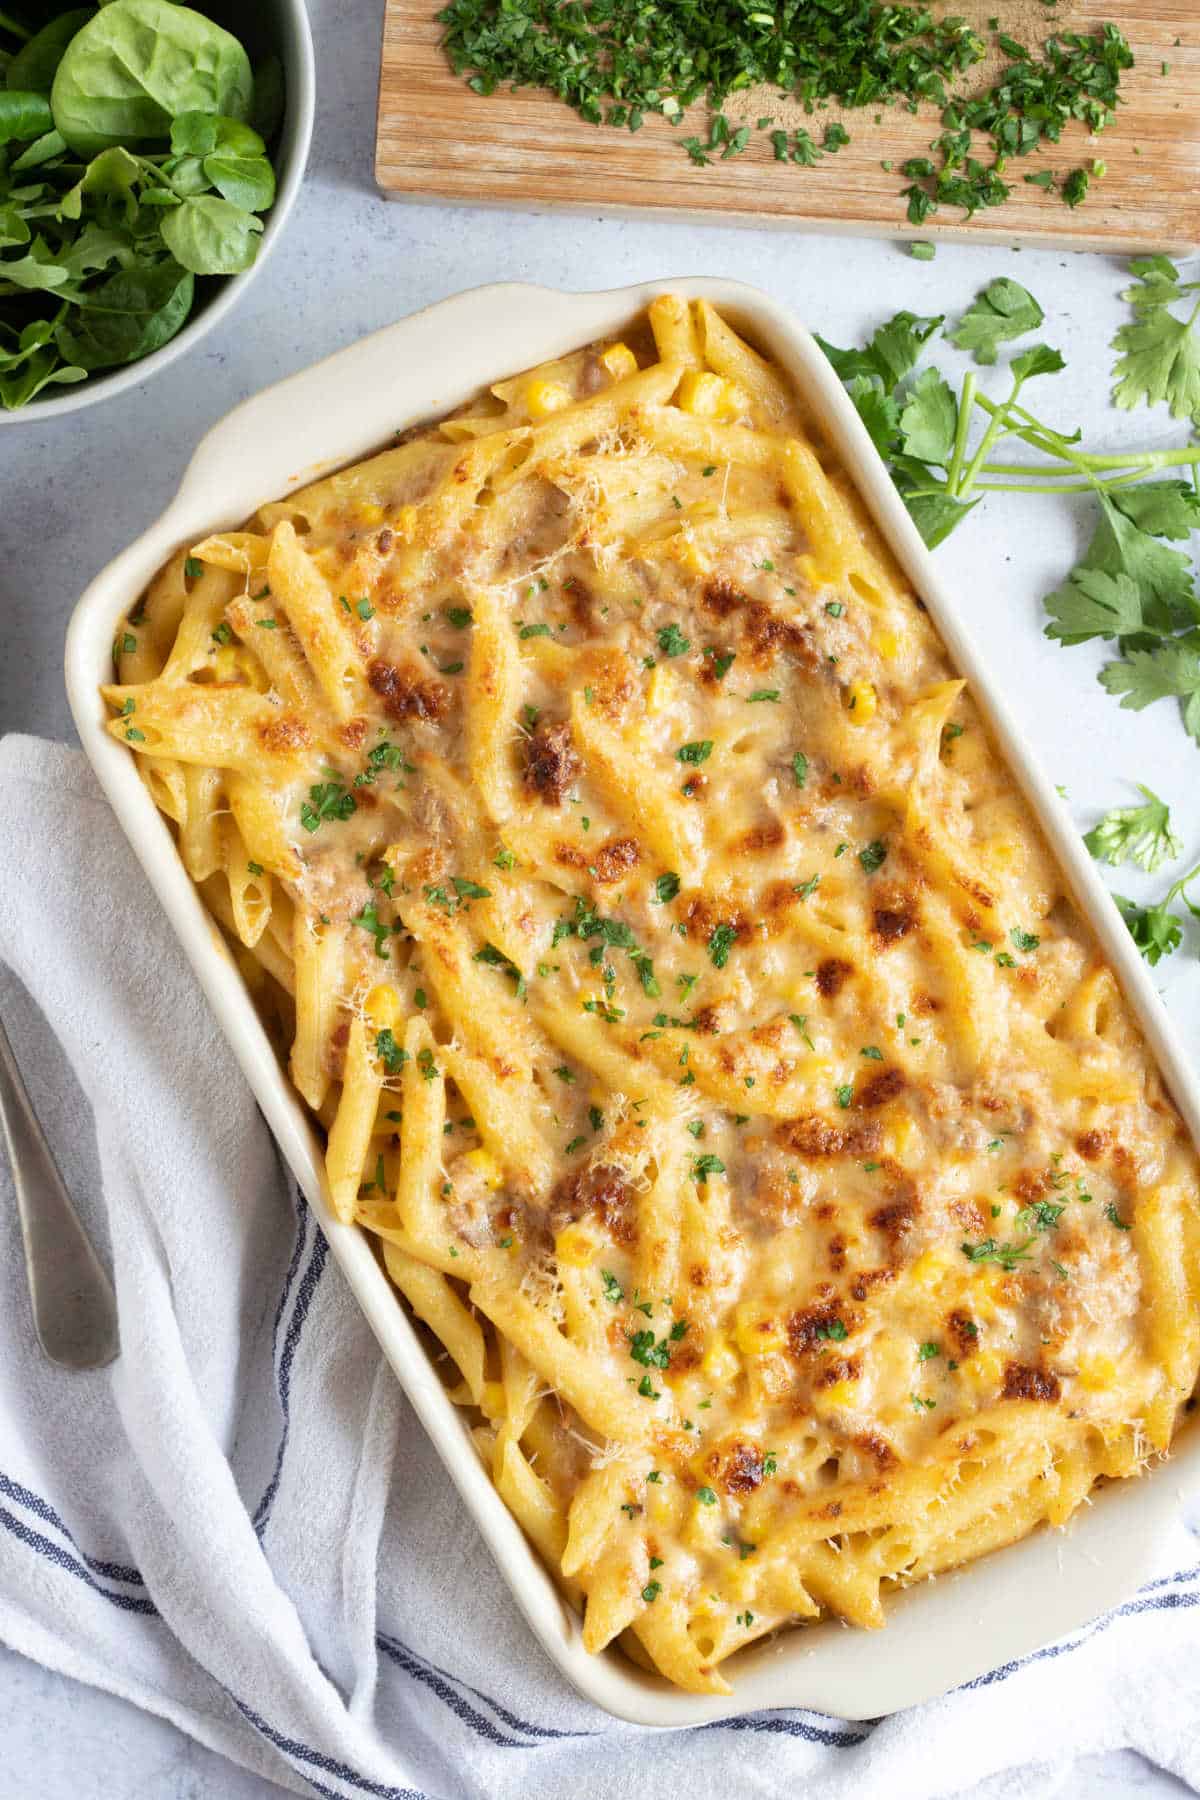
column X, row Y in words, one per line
column 939, row 1634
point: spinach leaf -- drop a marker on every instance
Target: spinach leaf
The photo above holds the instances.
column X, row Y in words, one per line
column 138, row 64
column 248, row 181
column 211, row 236
column 36, row 63
column 29, row 375
column 23, row 115
column 113, row 175
column 224, row 154
column 127, row 316
column 42, row 150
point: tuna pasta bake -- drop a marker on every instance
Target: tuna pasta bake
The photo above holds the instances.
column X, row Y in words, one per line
column 696, row 1018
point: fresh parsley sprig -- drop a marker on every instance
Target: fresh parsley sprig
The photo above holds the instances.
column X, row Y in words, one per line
column 1138, row 834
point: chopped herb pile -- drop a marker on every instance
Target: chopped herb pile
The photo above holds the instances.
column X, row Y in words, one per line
column 615, row 61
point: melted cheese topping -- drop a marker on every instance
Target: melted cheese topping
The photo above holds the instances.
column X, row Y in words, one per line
column 702, row 1024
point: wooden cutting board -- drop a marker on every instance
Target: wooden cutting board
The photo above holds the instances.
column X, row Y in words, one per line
column 436, row 139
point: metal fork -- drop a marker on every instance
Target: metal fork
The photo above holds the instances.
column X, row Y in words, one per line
column 74, row 1308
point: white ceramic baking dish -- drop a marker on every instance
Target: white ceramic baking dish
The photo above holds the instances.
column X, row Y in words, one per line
column 940, row 1633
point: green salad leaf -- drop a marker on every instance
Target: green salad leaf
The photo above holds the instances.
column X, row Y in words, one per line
column 129, row 167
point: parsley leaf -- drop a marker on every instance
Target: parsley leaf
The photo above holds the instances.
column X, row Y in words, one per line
column 1138, row 834
column 1007, row 1255
column 1160, row 353
column 1002, row 311
column 672, row 642
column 1171, row 669
column 891, row 353
column 720, row 943
column 929, row 420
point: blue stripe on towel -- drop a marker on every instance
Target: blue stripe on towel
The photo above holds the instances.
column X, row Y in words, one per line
column 328, row 1765
column 42, row 1509
column 421, row 1671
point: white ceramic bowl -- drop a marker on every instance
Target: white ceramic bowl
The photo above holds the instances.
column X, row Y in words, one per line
column 279, row 26
column 940, row 1634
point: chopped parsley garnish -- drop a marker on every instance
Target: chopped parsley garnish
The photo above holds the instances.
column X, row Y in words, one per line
column 391, row 1054
column 327, row 800
column 459, row 616
column 762, row 694
column 1024, row 941
column 255, row 868
column 989, row 1250
column 800, row 768
column 533, row 631
column 672, row 642
column 651, row 1591
column 193, row 568
column 722, row 661
column 696, row 752
column 720, row 943
column 706, row 1497
column 1114, row 1217
column 833, row 1329
column 370, row 921
column 1043, row 1215
column 706, row 1165
column 612, row 1288
column 843, row 1095
column 666, row 887
column 926, row 1352
column 800, row 1021
column 808, row 887
column 873, row 856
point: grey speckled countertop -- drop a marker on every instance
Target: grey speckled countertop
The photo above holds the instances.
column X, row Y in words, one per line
column 73, row 493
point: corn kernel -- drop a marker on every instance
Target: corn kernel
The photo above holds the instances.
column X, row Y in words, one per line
column 900, row 1136
column 757, row 1330
column 486, row 1166
column 886, row 644
column 659, row 688
column 693, row 557
column 1097, row 1372
column 575, row 1246
column 546, row 397
column 381, row 1008
column 862, row 702
column 370, row 513
column 619, row 360
column 842, row 1393
column 929, row 1271
column 225, row 664
column 659, row 1504
column 709, row 396
column 721, row 1361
